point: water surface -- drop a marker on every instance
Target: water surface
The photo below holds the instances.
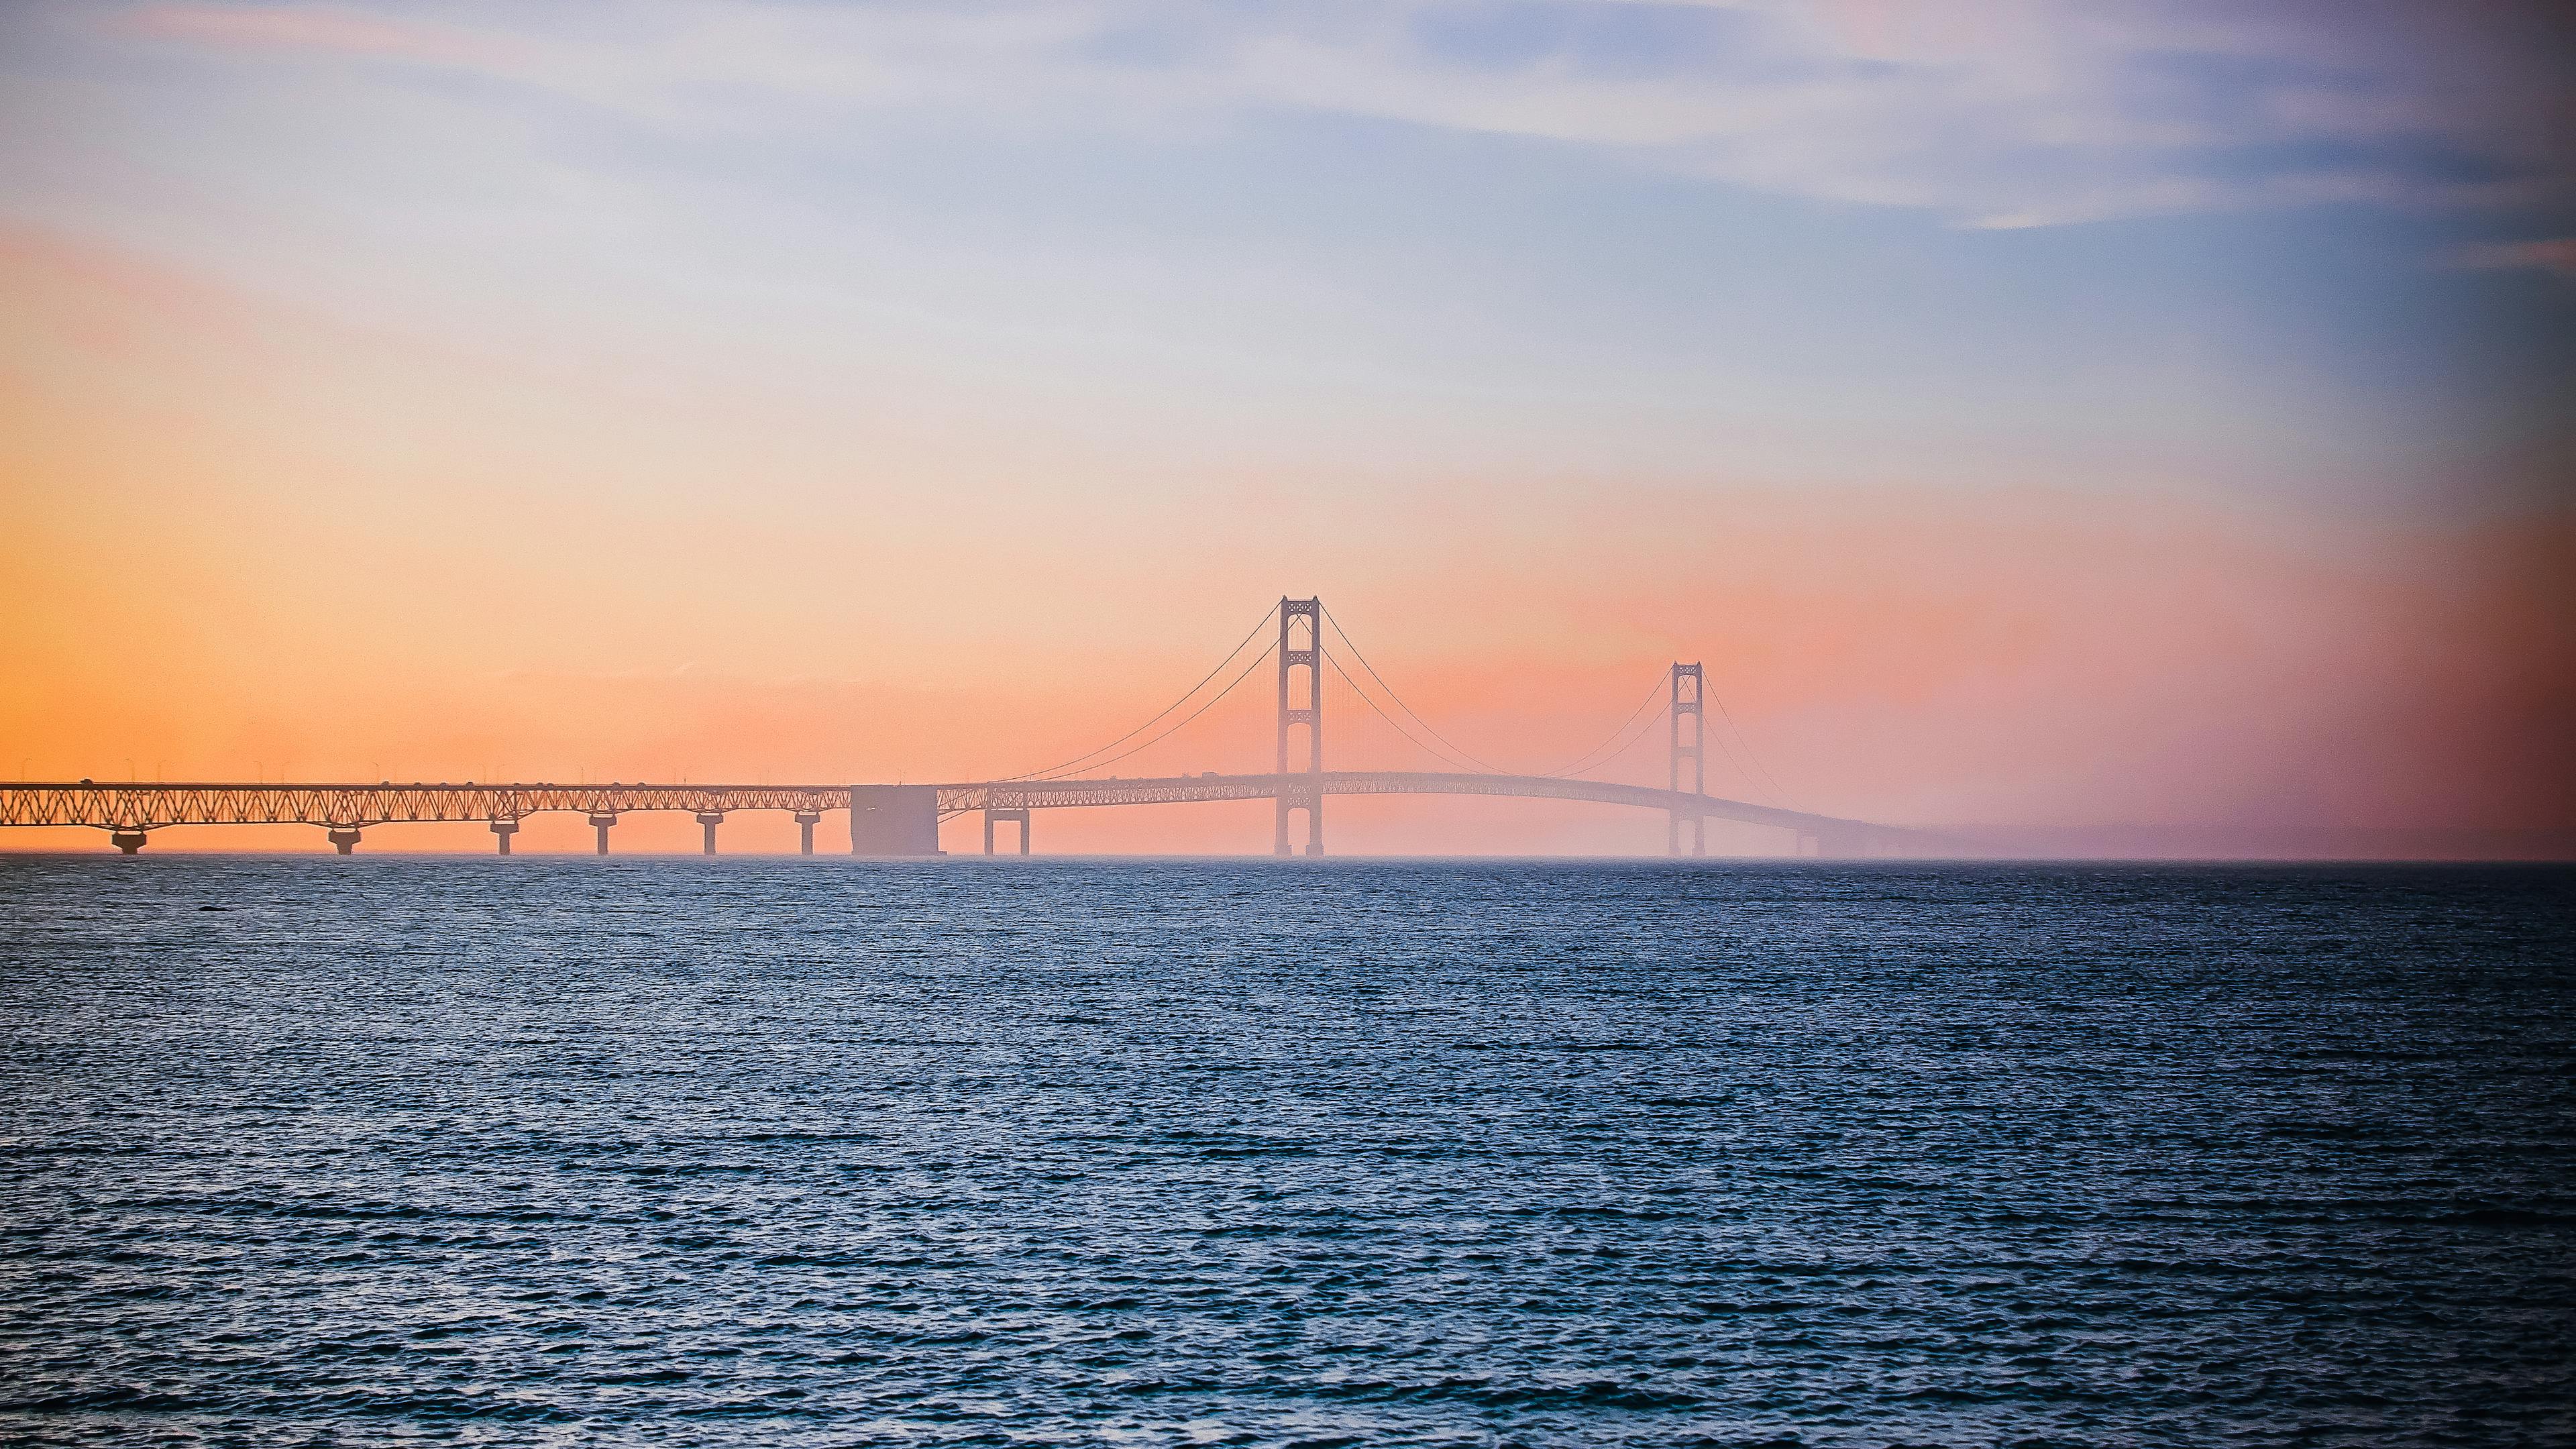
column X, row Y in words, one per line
column 788, row 1152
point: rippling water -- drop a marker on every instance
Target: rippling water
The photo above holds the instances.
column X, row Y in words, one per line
column 786, row 1152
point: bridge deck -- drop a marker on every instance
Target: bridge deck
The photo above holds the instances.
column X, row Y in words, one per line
column 137, row 807
column 1178, row 789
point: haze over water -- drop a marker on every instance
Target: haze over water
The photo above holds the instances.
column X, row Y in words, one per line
column 770, row 1152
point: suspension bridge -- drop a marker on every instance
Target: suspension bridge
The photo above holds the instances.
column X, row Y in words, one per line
column 904, row 820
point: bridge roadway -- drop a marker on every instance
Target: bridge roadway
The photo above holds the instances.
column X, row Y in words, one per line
column 129, row 810
column 1060, row 794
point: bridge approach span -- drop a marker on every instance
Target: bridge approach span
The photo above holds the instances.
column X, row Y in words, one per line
column 130, row 810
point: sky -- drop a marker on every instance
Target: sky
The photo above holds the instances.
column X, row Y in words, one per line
column 2127, row 426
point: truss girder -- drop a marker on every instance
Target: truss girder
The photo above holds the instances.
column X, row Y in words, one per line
column 151, row 807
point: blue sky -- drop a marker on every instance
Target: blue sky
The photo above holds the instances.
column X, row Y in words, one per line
column 2301, row 249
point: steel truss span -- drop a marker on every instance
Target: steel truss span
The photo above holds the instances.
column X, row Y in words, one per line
column 130, row 810
column 348, row 807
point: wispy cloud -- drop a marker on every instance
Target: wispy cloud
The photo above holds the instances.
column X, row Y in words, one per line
column 340, row 32
column 2001, row 114
column 2556, row 255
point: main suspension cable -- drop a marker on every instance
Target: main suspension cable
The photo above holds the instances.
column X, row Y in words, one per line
column 1382, row 714
column 1585, row 761
column 1782, row 796
column 1085, row 761
column 1178, row 725
column 1399, row 699
column 1643, row 730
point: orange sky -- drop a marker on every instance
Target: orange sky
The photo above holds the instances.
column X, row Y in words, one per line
column 246, row 535
column 2152, row 428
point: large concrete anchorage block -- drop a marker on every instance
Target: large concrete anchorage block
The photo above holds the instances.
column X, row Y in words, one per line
column 894, row 820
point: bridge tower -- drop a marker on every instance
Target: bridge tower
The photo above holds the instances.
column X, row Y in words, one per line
column 1301, row 646
column 1688, row 685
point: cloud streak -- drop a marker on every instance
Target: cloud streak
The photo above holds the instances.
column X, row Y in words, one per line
column 301, row 28
column 2557, row 255
column 2016, row 113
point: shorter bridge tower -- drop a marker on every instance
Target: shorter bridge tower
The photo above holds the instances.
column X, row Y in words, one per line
column 1301, row 646
column 1689, row 684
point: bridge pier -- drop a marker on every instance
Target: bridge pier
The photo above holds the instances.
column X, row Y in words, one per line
column 993, row 816
column 1674, row 820
column 346, row 840
column 806, row 820
column 710, row 819
column 600, row 823
column 502, row 830
column 128, row 841
column 1313, row 805
column 894, row 820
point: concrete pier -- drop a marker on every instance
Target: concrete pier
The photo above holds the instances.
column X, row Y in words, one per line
column 601, row 823
column 129, row 841
column 345, row 840
column 502, row 830
column 711, row 819
column 806, row 820
column 894, row 820
column 992, row 817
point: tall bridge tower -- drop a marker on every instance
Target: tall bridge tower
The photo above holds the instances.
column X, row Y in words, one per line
column 1688, row 684
column 1301, row 647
